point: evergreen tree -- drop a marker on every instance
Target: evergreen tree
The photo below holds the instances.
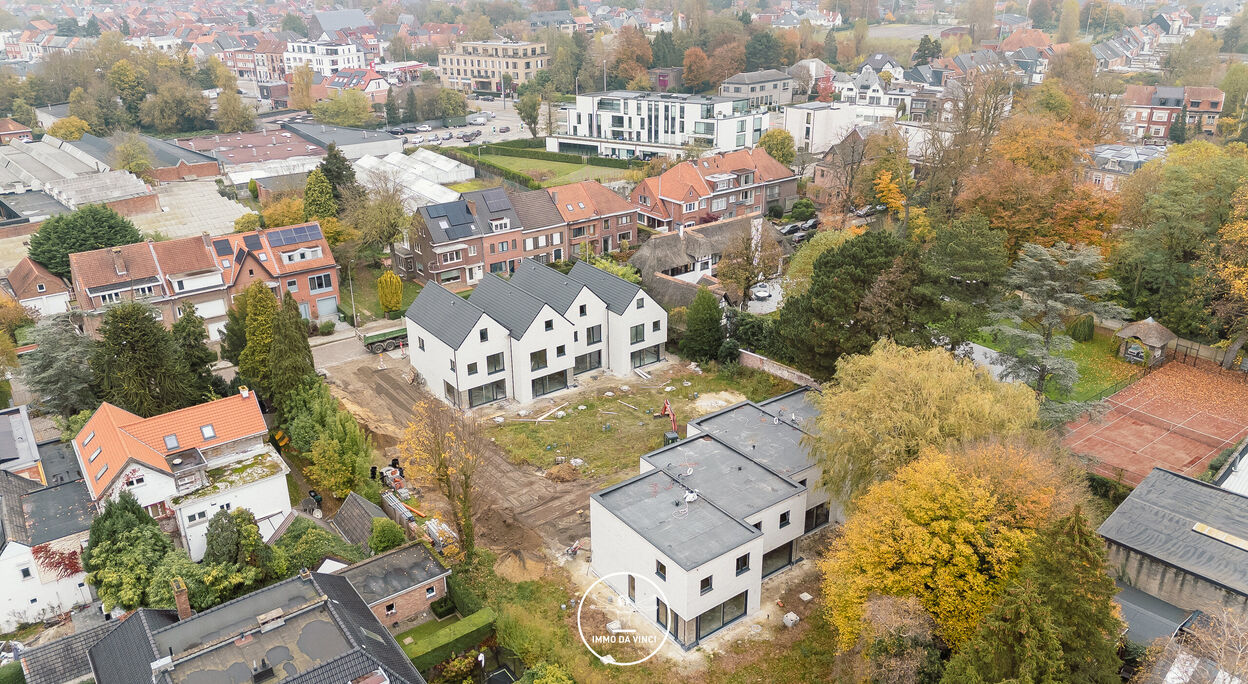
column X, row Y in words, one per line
column 762, row 51
column 190, row 336
column 392, row 108
column 253, row 363
column 829, row 47
column 93, row 226
column 290, row 357
column 409, row 106
column 338, row 171
column 1178, row 129
column 221, row 545
column 1072, row 578
column 386, row 534
column 927, row 51
column 58, row 371
column 704, row 330
column 1016, row 643
column 136, row 364
column 663, row 51
column 124, row 545
column 234, row 338
column 318, row 197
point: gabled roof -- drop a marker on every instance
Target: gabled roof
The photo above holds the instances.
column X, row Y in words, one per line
column 490, row 204
column 535, row 209
column 121, row 436
column 753, row 77
column 587, row 200
column 547, row 284
column 449, row 221
column 618, row 293
column 101, row 270
column 12, row 520
column 512, row 307
column 126, row 653
column 11, row 126
column 27, row 276
column 354, row 519
column 273, row 244
column 64, row 660
column 444, row 314
column 1194, row 526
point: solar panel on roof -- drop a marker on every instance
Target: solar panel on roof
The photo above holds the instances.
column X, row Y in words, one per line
column 252, row 242
column 436, row 210
column 222, row 247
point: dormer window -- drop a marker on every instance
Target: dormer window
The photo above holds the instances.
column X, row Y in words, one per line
column 41, row 287
column 497, row 225
column 208, row 432
column 171, row 442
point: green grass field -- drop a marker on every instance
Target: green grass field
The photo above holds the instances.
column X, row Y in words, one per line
column 550, row 173
column 364, row 281
column 1098, row 362
column 474, row 184
column 632, row 431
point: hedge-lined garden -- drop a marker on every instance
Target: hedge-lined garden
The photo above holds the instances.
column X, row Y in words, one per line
column 456, row 638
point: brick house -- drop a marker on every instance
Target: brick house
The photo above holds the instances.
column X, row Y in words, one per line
column 542, row 228
column 595, row 216
column 11, row 130
column 35, row 287
column 208, row 272
column 367, row 81
column 399, row 585
column 1149, row 111
column 714, row 187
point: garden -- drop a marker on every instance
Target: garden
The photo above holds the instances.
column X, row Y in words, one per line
column 1098, row 362
column 363, row 281
column 610, row 432
column 551, row 173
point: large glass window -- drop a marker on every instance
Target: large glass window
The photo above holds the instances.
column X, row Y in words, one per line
column 550, row 383
column 486, row 393
column 537, row 360
column 644, row 357
column 721, row 615
column 777, row 559
column 593, row 334
column 637, row 333
column 587, row 362
column 816, row 516
column 494, row 363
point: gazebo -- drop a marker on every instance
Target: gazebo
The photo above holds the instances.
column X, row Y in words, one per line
column 1145, row 342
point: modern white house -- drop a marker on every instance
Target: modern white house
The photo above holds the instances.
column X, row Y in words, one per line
column 42, row 532
column 37, row 288
column 711, row 517
column 323, row 57
column 628, row 123
column 531, row 336
column 816, row 126
column 764, row 88
column 185, row 465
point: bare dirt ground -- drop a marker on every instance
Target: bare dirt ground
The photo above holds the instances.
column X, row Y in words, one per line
column 522, row 513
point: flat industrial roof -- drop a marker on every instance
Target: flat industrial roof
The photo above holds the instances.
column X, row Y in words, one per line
column 760, row 435
column 739, row 484
column 34, row 205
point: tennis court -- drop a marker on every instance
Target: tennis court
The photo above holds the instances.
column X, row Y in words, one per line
column 1178, row 417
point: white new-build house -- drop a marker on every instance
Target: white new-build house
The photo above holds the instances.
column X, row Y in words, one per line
column 711, row 517
column 185, row 465
column 629, row 123
column 532, row 335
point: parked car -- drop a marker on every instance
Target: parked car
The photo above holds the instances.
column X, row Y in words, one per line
column 869, row 210
column 424, row 128
column 487, row 98
column 760, row 291
column 447, row 135
column 810, row 224
column 396, row 131
column 505, row 129
column 417, row 139
column 433, row 140
column 790, row 228
column 472, row 135
column 798, row 237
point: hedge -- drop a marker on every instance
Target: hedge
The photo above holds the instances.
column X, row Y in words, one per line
column 490, row 168
column 525, row 143
column 466, row 600
column 442, row 607
column 456, row 638
column 545, row 155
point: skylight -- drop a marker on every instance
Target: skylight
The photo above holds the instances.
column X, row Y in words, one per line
column 207, row 431
column 171, row 442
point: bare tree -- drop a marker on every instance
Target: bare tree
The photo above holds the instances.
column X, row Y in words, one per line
column 900, row 639
column 752, row 256
column 446, row 446
column 802, row 78
column 378, row 210
column 963, row 129
column 1213, row 649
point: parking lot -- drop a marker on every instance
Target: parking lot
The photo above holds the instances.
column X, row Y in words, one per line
column 498, row 121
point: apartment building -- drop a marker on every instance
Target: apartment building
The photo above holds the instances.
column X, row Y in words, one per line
column 208, row 272
column 324, row 57
column 816, row 126
column 531, row 336
column 185, row 465
column 764, row 88
column 1150, row 111
column 479, row 65
column 627, row 124
column 714, row 187
column 711, row 517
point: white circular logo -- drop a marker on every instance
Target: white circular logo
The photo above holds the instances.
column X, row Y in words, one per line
column 626, row 628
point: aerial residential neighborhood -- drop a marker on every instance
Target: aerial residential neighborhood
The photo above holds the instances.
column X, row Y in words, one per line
column 550, row 342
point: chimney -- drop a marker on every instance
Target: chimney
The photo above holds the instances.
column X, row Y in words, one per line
column 181, row 598
column 472, row 207
column 243, row 391
column 119, row 263
column 554, row 197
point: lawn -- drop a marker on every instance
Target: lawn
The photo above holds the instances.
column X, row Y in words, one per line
column 364, row 282
column 293, row 491
column 609, row 435
column 1098, row 363
column 474, row 184
column 422, row 631
column 551, row 173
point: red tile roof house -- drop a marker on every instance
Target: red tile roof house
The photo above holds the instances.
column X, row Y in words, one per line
column 35, row 287
column 715, row 187
column 11, row 130
column 209, row 272
column 372, row 84
column 1149, row 111
column 595, row 216
column 185, row 465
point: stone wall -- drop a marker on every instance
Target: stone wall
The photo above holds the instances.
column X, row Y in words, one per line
column 758, row 362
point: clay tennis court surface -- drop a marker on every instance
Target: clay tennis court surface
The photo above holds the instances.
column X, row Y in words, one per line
column 1178, row 417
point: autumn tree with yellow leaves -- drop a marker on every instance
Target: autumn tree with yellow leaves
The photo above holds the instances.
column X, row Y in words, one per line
column 888, row 192
column 950, row 529
column 1228, row 276
column 446, row 446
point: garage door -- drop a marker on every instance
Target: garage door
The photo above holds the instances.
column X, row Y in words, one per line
column 210, row 309
column 327, row 307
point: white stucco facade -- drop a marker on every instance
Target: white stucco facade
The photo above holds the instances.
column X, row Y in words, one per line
column 620, row 334
column 29, row 593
